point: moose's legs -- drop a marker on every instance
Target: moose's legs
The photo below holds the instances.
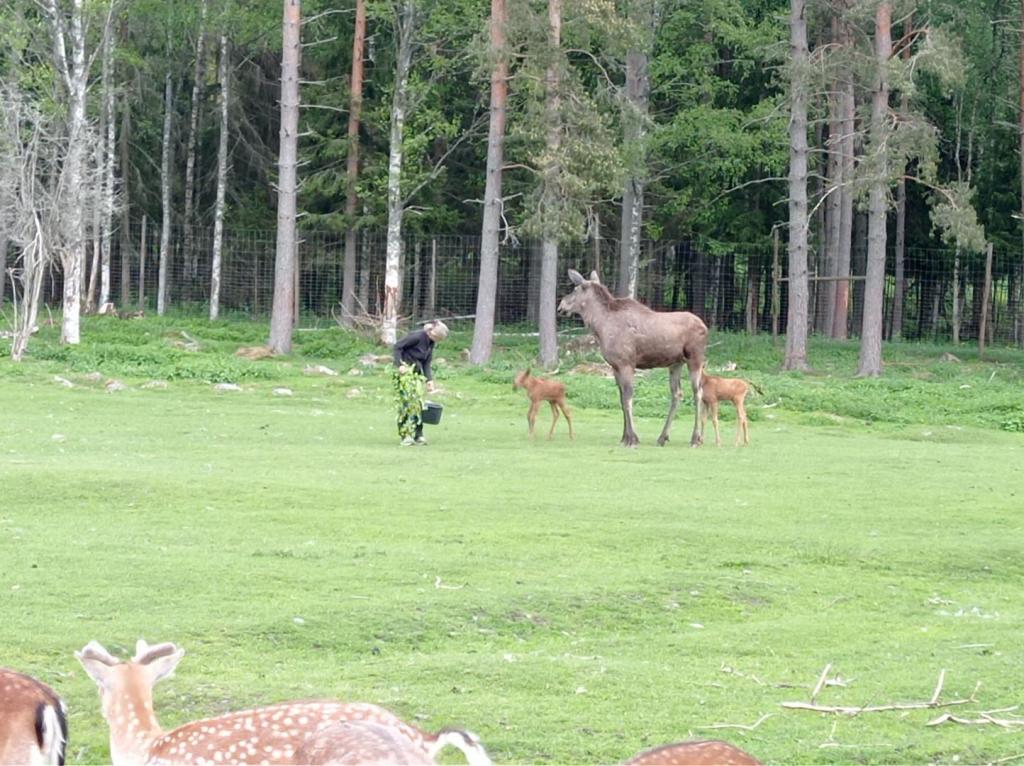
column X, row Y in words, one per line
column 624, row 377
column 714, row 422
column 742, row 424
column 568, row 417
column 554, row 419
column 674, row 380
column 531, row 416
column 695, row 362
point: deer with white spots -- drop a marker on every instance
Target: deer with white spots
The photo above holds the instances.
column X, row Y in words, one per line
column 704, row 752
column 33, row 721
column 307, row 732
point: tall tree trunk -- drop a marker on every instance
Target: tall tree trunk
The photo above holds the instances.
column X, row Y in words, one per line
column 76, row 80
column 3, row 263
column 108, row 141
column 638, row 89
column 874, row 283
column 901, row 216
column 833, row 208
column 126, row 241
column 364, row 270
column 551, row 179
column 165, row 197
column 483, row 328
column 406, row 20
column 191, row 256
column 957, row 300
column 796, row 319
column 224, row 78
column 847, row 149
column 348, row 280
column 1019, row 318
column 96, row 193
column 282, row 314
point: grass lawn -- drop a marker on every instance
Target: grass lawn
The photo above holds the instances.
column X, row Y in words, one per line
column 569, row 602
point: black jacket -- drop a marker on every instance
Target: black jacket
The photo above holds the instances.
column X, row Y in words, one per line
column 417, row 349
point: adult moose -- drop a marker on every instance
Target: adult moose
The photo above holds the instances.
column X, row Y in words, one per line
column 633, row 337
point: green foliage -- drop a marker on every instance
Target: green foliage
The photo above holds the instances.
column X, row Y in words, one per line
column 410, row 400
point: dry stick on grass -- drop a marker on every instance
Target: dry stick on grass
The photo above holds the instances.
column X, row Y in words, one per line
column 849, row 710
column 821, row 682
column 743, row 726
column 987, row 717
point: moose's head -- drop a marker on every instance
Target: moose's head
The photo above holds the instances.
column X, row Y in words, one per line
column 581, row 296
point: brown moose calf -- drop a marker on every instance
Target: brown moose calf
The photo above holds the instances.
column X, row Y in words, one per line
column 715, row 390
column 543, row 390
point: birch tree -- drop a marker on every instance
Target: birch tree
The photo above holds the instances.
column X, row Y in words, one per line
column 282, row 318
column 483, row 328
column 165, row 196
column 634, row 121
column 551, row 180
column 223, row 100
column 107, row 206
column 405, row 25
column 70, row 32
column 796, row 324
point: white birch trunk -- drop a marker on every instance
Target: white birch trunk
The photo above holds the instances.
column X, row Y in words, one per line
column 223, row 76
column 634, row 120
column 546, row 326
column 107, row 172
column 483, row 327
column 191, row 257
column 392, row 269
column 870, row 364
column 165, row 196
column 126, row 244
column 796, row 322
column 73, row 252
column 96, row 229
column 282, row 315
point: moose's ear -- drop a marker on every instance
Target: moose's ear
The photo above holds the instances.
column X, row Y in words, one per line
column 575, row 277
column 594, row 277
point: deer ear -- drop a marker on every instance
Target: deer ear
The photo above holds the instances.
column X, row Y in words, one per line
column 97, row 663
column 594, row 277
column 160, row 660
column 575, row 277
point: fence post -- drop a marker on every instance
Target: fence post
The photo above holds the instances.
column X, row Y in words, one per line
column 432, row 284
column 986, row 297
column 776, row 301
column 142, row 267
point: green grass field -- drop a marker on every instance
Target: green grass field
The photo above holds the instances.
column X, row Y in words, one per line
column 569, row 602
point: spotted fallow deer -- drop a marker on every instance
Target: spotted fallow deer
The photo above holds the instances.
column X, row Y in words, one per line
column 33, row 721
column 707, row 752
column 307, row 732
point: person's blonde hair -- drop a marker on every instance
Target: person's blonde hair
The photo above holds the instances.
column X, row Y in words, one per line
column 437, row 329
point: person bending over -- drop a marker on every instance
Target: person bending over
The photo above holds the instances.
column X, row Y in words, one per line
column 412, row 356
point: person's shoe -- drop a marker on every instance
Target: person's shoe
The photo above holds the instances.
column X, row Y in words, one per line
column 420, row 441
column 407, row 441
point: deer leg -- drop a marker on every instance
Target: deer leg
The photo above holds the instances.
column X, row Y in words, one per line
column 568, row 417
column 714, row 422
column 624, row 377
column 742, row 426
column 531, row 416
column 554, row 420
column 674, row 378
column 695, row 363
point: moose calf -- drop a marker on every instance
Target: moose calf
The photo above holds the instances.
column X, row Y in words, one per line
column 715, row 390
column 542, row 390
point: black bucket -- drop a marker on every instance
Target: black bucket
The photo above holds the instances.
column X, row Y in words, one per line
column 432, row 413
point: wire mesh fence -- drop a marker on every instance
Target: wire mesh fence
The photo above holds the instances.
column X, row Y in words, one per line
column 735, row 287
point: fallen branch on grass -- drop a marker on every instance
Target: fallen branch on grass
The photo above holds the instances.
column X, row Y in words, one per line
column 851, row 710
column 986, row 717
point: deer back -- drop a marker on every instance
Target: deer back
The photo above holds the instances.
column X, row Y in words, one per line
column 33, row 721
column 709, row 752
